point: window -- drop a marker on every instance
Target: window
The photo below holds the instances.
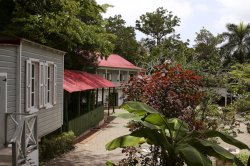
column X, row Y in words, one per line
column 122, row 78
column 109, row 76
column 40, row 85
column 32, row 85
column 50, row 84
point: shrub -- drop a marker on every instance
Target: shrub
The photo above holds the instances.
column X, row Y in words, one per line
column 243, row 158
column 56, row 145
column 170, row 89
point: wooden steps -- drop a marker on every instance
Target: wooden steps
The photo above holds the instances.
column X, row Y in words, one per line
column 5, row 157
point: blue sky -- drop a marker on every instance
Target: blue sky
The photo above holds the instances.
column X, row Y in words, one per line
column 194, row 14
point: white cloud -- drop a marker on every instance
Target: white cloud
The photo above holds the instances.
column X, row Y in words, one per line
column 131, row 10
column 239, row 8
column 194, row 14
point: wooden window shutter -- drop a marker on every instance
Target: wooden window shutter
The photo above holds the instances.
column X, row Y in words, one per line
column 41, row 84
column 28, row 85
column 55, row 84
column 45, row 83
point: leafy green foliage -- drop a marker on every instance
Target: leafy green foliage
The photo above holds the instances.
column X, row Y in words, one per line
column 157, row 24
column 239, row 78
column 56, row 145
column 239, row 85
column 237, row 44
column 125, row 42
column 242, row 157
column 68, row 25
column 175, row 141
column 207, row 51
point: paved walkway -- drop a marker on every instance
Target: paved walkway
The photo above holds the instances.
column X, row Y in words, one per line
column 91, row 151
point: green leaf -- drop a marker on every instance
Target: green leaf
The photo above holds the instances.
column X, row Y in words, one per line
column 128, row 116
column 238, row 162
column 124, row 141
column 110, row 163
column 212, row 149
column 138, row 108
column 155, row 119
column 152, row 136
column 192, row 157
column 226, row 138
column 176, row 124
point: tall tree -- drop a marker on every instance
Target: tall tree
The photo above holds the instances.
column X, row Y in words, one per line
column 237, row 47
column 69, row 25
column 125, row 42
column 172, row 49
column 157, row 24
column 207, row 51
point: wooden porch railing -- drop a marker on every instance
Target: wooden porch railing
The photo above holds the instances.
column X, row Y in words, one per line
column 24, row 140
column 86, row 121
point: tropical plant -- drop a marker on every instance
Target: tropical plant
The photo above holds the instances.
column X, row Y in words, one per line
column 172, row 136
column 237, row 47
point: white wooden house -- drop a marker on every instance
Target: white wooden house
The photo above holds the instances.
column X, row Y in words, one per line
column 31, row 94
column 117, row 70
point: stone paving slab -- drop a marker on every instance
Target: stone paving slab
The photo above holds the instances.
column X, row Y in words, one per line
column 91, row 151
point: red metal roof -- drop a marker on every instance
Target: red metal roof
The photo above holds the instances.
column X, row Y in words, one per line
column 75, row 81
column 116, row 61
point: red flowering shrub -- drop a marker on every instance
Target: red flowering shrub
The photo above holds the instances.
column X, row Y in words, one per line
column 134, row 88
column 171, row 90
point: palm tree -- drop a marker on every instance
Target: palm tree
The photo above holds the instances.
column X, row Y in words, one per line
column 237, row 46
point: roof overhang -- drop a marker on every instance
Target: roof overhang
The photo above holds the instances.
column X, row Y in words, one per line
column 75, row 81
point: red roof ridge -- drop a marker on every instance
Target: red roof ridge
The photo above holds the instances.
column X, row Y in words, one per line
column 116, row 61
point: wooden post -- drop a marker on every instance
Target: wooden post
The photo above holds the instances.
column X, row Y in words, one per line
column 113, row 100
column 102, row 95
column 66, row 109
column 89, row 98
column 96, row 98
column 108, row 101
column 79, row 104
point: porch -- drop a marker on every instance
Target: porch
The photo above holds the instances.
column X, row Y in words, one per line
column 83, row 101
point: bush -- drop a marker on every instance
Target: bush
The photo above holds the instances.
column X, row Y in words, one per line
column 243, row 158
column 170, row 89
column 56, row 145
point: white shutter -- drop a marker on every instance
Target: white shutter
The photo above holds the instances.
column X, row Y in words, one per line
column 41, row 84
column 55, row 84
column 28, row 85
column 45, row 83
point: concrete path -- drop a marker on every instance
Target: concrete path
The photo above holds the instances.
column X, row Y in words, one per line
column 91, row 151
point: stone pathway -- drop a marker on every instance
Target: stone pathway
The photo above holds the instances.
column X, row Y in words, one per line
column 91, row 151
column 243, row 137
